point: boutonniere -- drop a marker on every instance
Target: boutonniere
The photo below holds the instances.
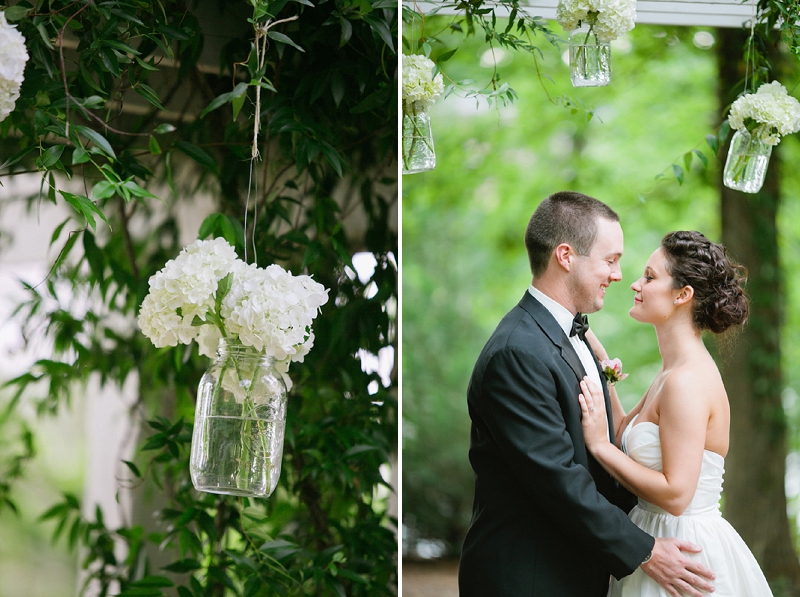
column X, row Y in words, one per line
column 612, row 369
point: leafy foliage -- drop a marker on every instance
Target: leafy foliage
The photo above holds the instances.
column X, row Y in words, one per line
column 118, row 109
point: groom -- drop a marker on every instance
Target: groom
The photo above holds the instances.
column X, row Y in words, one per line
column 547, row 520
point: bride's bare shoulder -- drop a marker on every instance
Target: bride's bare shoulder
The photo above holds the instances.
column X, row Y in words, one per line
column 693, row 382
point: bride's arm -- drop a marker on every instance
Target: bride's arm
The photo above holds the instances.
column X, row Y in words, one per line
column 682, row 429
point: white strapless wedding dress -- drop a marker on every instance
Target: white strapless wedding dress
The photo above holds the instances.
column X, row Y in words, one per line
column 724, row 551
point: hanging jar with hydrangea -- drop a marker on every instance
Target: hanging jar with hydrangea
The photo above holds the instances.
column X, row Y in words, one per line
column 759, row 120
column 256, row 321
column 421, row 88
column 593, row 25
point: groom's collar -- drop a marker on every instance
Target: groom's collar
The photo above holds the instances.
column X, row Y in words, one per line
column 556, row 309
column 544, row 319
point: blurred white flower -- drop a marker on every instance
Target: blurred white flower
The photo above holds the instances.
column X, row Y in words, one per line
column 13, row 57
column 420, row 88
column 767, row 114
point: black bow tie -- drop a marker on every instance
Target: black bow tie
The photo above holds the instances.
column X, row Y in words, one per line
column 580, row 325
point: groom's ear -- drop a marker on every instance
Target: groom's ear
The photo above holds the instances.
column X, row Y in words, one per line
column 563, row 255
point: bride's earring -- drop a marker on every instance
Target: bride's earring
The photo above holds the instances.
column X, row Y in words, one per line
column 675, row 302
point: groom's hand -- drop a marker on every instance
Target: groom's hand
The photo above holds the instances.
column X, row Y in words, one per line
column 670, row 568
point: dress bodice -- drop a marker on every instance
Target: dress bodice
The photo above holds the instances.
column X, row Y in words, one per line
column 641, row 441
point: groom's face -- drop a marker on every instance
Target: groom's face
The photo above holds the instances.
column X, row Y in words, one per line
column 595, row 272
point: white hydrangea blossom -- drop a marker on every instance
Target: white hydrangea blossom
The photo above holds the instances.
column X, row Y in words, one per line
column 775, row 112
column 183, row 289
column 268, row 309
column 272, row 310
column 420, row 88
column 13, row 57
column 609, row 19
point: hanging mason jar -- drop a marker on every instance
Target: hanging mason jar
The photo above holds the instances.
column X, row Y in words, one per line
column 239, row 424
column 418, row 152
column 746, row 165
column 589, row 58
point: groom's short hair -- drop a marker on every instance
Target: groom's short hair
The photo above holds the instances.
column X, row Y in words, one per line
column 564, row 217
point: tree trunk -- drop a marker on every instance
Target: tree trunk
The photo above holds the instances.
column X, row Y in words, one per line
column 755, row 499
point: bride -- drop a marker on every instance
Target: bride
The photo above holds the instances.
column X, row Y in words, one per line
column 676, row 437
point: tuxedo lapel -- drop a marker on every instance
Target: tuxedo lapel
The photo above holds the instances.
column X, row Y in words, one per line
column 550, row 326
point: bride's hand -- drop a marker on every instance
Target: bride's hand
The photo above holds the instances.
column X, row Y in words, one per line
column 594, row 420
column 597, row 347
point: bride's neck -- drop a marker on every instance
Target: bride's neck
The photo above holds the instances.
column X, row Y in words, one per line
column 678, row 341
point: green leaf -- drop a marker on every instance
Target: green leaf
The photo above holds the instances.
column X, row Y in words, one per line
column 223, row 288
column 374, row 100
column 678, row 172
column 702, row 157
column 380, row 27
column 94, row 256
column 141, row 592
column 360, row 448
column 687, row 160
column 134, row 469
column 446, row 56
column 99, row 140
column 713, row 143
column 209, row 225
column 57, row 231
column 85, row 207
column 136, row 190
column 285, row 39
column 49, row 157
column 237, row 104
column 164, row 128
column 347, row 31
column 343, row 254
column 103, row 190
column 16, row 13
column 198, row 155
column 149, row 94
column 187, row 565
column 154, row 581
column 225, row 98
column 79, row 156
column 16, row 157
column 153, row 145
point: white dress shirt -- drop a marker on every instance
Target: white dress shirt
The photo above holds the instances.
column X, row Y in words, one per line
column 564, row 319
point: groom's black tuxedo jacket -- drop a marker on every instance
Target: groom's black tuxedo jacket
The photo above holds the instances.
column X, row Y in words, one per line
column 547, row 520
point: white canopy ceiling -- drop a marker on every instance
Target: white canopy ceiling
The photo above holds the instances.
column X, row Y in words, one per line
column 711, row 13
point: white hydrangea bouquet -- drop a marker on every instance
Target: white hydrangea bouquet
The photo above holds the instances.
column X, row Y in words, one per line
column 608, row 19
column 420, row 90
column 13, row 57
column 593, row 24
column 767, row 114
column 206, row 294
column 760, row 119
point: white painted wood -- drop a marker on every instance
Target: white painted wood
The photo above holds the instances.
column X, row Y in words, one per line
column 710, row 13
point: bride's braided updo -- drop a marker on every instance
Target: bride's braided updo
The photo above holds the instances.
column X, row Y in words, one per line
column 719, row 298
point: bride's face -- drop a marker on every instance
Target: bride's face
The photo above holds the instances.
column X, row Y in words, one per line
column 653, row 301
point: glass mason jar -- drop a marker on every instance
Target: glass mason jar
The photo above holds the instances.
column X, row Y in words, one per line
column 418, row 152
column 746, row 165
column 589, row 58
column 237, row 444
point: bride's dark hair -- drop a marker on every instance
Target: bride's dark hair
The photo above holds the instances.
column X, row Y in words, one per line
column 719, row 298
